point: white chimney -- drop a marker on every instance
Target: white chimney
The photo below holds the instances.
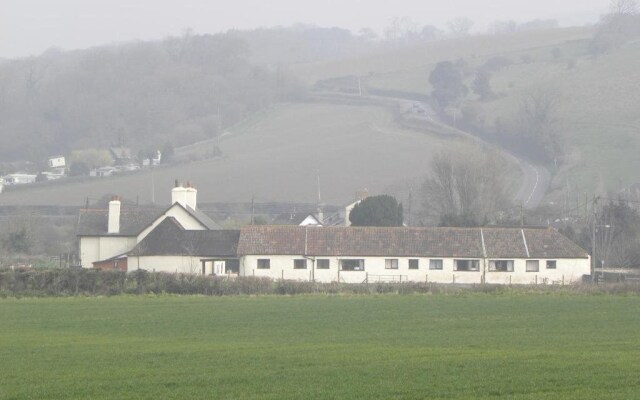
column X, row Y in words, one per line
column 179, row 195
column 192, row 196
column 114, row 215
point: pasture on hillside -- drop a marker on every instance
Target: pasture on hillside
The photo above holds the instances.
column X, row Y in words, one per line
column 597, row 95
column 277, row 156
column 514, row 346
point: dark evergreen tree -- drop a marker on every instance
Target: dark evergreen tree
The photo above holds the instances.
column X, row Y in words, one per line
column 447, row 83
column 383, row 210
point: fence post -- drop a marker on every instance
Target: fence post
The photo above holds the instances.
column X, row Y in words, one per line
column 563, row 280
column 282, row 274
column 454, row 279
column 536, row 280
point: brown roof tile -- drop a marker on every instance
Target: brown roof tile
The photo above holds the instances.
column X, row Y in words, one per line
column 406, row 242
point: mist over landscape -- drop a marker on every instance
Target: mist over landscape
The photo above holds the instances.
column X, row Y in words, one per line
column 319, row 199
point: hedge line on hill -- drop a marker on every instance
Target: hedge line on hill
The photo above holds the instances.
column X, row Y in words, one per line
column 90, row 282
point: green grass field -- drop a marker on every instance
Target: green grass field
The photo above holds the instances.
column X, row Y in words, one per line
column 321, row 347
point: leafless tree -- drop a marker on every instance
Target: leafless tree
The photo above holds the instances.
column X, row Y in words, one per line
column 190, row 250
column 624, row 7
column 468, row 182
column 460, row 27
column 538, row 118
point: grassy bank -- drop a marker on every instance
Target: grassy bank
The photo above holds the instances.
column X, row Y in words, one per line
column 318, row 347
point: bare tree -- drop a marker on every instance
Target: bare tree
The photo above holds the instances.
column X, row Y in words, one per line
column 401, row 29
column 467, row 185
column 620, row 25
column 190, row 251
column 624, row 7
column 539, row 120
column 460, row 27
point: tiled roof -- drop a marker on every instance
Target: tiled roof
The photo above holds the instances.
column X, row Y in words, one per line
column 169, row 238
column 133, row 219
column 93, row 222
column 203, row 218
column 407, row 242
column 291, row 218
column 549, row 243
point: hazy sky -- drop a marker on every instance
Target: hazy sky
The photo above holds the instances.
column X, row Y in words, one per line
column 31, row 26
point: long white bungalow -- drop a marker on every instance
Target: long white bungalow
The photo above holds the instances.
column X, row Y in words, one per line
column 443, row 255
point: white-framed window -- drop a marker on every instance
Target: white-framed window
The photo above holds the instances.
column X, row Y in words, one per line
column 264, row 263
column 501, row 265
column 467, row 265
column 414, row 263
column 322, row 263
column 300, row 263
column 552, row 264
column 391, row 263
column 435, row 265
column 533, row 265
column 352, row 265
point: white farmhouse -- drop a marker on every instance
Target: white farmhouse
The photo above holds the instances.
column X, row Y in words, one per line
column 171, row 248
column 182, row 239
column 106, row 234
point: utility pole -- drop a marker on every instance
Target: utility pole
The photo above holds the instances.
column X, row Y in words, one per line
column 253, row 209
column 409, row 216
column 593, row 238
column 153, row 187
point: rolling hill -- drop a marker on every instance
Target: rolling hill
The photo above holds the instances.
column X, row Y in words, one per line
column 597, row 111
column 278, row 157
column 278, row 153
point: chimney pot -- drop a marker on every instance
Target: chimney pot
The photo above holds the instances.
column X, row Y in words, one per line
column 113, row 223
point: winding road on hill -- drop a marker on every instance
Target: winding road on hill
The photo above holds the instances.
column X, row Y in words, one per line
column 535, row 183
column 535, row 178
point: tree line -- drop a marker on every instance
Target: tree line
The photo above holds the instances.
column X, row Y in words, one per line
column 179, row 90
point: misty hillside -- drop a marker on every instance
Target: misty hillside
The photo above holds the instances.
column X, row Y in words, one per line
column 595, row 93
column 184, row 90
column 180, row 90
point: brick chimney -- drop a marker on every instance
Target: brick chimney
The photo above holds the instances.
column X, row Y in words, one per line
column 113, row 226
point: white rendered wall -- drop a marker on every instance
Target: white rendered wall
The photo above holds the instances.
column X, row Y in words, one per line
column 94, row 249
column 567, row 271
column 183, row 217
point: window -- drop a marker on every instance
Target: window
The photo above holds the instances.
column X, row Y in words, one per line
column 300, row 264
column 467, row 265
column 533, row 265
column 352, row 265
column 391, row 263
column 264, row 263
column 322, row 264
column 501, row 265
column 435, row 264
column 551, row 264
column 414, row 264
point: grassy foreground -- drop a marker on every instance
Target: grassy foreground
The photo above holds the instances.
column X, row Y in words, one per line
column 319, row 347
